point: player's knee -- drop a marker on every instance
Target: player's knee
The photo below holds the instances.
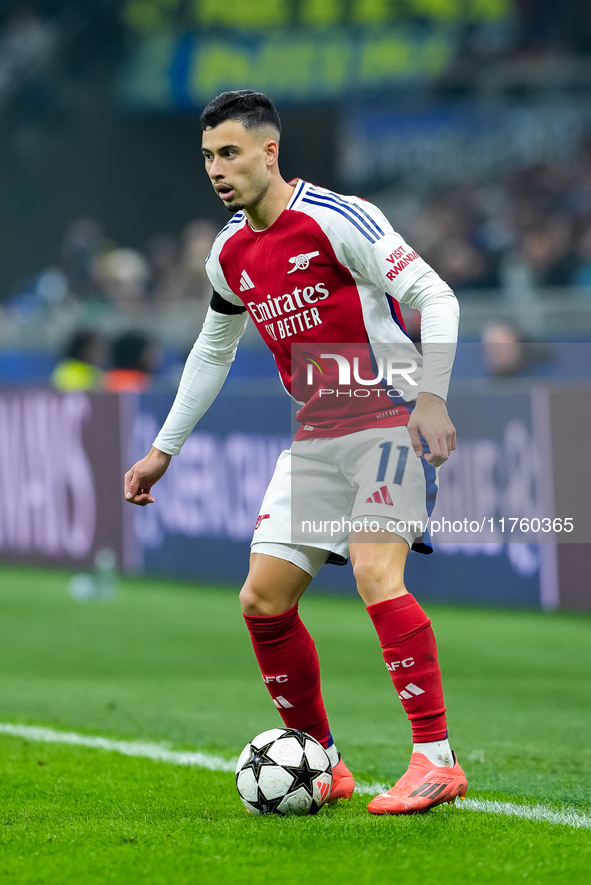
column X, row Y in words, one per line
column 250, row 600
column 376, row 583
column 366, row 573
column 257, row 598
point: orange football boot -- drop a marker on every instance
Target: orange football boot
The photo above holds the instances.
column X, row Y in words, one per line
column 422, row 787
column 343, row 782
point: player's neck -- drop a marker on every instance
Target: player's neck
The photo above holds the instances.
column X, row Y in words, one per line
column 269, row 208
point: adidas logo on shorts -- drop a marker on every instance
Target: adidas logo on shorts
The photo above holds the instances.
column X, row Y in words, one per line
column 382, row 496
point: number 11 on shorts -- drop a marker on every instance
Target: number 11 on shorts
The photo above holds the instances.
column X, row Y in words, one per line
column 386, row 448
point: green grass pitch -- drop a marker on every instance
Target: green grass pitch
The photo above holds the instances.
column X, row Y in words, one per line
column 171, row 662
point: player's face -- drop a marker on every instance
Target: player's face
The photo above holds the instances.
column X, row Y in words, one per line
column 238, row 162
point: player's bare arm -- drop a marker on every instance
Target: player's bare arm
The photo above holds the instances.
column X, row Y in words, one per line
column 430, row 418
column 143, row 475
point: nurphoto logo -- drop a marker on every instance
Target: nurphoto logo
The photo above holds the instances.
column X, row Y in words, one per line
column 387, row 369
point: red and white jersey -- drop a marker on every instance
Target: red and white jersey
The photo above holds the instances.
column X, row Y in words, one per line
column 327, row 274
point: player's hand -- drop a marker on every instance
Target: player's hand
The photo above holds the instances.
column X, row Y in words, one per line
column 430, row 418
column 142, row 476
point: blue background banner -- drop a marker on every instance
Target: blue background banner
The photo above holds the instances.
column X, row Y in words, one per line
column 207, row 503
column 510, row 462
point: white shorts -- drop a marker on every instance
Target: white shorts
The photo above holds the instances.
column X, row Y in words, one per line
column 322, row 489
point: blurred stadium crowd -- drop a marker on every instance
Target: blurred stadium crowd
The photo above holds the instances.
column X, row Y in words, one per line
column 98, row 283
column 533, row 223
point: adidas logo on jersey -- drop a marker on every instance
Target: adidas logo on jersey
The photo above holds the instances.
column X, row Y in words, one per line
column 382, row 496
column 245, row 282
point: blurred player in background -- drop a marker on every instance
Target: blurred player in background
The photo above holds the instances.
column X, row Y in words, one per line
column 82, row 365
column 134, row 357
column 343, row 270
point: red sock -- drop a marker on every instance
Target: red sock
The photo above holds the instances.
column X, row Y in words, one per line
column 410, row 653
column 287, row 657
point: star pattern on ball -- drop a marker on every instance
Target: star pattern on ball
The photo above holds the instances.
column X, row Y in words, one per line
column 258, row 758
column 279, row 787
column 303, row 776
column 300, row 736
column 267, row 806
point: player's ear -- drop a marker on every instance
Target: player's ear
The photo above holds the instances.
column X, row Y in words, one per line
column 271, row 151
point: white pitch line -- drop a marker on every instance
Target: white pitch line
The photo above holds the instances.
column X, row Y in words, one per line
column 157, row 752
column 567, row 817
column 160, row 753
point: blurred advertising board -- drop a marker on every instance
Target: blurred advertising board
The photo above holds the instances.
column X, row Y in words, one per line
column 59, row 482
column 144, row 16
column 208, row 500
column 172, row 72
column 180, row 55
column 501, row 528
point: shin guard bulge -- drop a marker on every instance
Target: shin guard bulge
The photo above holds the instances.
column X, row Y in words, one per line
column 287, row 657
column 410, row 653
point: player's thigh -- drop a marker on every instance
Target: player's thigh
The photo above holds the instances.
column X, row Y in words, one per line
column 273, row 584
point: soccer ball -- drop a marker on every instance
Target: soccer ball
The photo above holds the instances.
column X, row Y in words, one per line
column 283, row 771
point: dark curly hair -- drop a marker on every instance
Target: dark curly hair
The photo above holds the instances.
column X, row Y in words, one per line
column 252, row 109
